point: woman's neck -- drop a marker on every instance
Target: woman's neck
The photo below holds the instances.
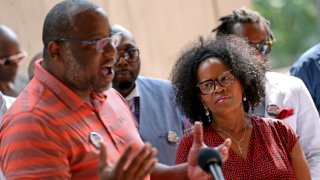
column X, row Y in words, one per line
column 231, row 122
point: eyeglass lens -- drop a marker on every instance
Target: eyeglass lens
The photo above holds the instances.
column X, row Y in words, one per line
column 225, row 79
column 13, row 59
column 131, row 55
column 264, row 47
column 114, row 41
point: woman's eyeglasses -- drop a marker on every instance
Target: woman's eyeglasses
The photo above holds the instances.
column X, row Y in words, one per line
column 224, row 79
column 131, row 55
column 100, row 44
column 16, row 58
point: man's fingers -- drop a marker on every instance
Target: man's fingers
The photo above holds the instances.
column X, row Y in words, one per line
column 147, row 165
column 198, row 134
column 148, row 169
column 103, row 157
column 123, row 160
column 141, row 160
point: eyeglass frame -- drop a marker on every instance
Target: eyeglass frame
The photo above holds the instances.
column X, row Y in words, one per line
column 218, row 81
column 16, row 58
column 114, row 37
column 126, row 55
column 259, row 46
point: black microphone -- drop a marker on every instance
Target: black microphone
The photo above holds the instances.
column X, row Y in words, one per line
column 210, row 160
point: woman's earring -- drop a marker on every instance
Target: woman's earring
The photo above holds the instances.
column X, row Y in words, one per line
column 207, row 113
column 244, row 97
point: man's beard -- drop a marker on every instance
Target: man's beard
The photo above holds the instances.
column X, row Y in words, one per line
column 123, row 85
column 79, row 79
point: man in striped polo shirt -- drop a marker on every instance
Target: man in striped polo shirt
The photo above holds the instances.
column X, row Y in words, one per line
column 55, row 128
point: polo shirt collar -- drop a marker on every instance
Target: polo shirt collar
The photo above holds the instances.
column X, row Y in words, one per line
column 66, row 95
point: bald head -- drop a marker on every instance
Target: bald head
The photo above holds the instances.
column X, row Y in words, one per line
column 5, row 31
column 59, row 22
column 9, row 43
column 10, row 55
column 116, row 28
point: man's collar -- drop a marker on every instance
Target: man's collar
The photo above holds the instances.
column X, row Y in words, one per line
column 65, row 94
column 133, row 93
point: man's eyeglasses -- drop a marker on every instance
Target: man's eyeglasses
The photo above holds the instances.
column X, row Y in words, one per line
column 131, row 55
column 224, row 79
column 264, row 48
column 100, row 44
column 13, row 58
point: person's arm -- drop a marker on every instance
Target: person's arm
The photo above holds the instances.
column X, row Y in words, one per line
column 144, row 163
column 299, row 162
column 141, row 165
column 170, row 172
column 191, row 169
column 309, row 72
column 308, row 125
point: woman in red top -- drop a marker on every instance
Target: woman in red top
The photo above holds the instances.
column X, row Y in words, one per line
column 217, row 82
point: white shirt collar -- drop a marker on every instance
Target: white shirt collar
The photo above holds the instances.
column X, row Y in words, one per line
column 133, row 93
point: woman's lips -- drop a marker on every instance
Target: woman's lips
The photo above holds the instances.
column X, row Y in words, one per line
column 221, row 99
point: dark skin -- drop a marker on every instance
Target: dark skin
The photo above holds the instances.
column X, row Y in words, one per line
column 225, row 104
column 254, row 32
column 183, row 171
column 92, row 25
column 126, row 72
column 9, row 45
column 93, row 71
column 96, row 69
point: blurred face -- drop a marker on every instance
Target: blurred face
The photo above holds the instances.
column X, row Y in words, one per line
column 256, row 35
column 86, row 68
column 9, row 65
column 226, row 95
column 127, row 67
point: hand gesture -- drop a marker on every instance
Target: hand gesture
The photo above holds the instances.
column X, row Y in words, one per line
column 142, row 164
column 194, row 170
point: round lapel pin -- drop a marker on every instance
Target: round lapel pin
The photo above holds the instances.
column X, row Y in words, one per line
column 273, row 110
column 95, row 138
column 173, row 137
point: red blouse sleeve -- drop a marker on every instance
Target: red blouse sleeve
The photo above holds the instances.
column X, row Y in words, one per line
column 184, row 149
column 287, row 135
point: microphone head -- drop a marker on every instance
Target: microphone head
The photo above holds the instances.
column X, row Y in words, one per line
column 209, row 156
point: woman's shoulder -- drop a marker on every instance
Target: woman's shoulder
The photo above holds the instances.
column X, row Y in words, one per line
column 275, row 125
column 267, row 121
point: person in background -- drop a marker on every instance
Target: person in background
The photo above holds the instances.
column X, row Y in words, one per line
column 36, row 57
column 68, row 112
column 5, row 103
column 224, row 82
column 287, row 98
column 150, row 100
column 11, row 53
column 307, row 68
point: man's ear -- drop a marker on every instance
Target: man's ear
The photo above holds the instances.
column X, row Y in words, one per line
column 54, row 50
